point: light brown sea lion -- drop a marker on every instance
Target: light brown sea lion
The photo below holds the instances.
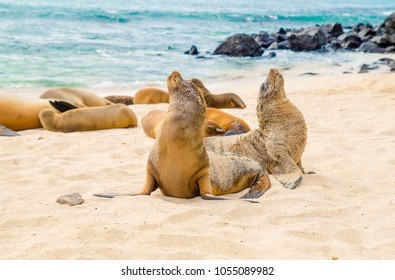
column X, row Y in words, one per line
column 151, row 96
column 152, row 122
column 178, row 163
column 88, row 118
column 77, row 97
column 225, row 100
column 280, row 140
column 123, row 99
column 217, row 123
column 227, row 121
column 20, row 113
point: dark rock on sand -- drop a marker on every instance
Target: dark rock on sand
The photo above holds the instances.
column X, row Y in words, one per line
column 239, row 45
column 371, row 47
column 389, row 24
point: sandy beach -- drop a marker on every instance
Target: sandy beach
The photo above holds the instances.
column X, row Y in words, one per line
column 344, row 211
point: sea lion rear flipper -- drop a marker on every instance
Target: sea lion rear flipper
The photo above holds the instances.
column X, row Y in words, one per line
column 112, row 195
column 288, row 174
column 62, row 106
column 4, row 131
column 261, row 185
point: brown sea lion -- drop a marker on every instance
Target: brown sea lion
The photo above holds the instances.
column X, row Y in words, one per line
column 77, row 97
column 151, row 96
column 227, row 121
column 123, row 99
column 217, row 123
column 178, row 163
column 88, row 118
column 225, row 100
column 280, row 140
column 20, row 113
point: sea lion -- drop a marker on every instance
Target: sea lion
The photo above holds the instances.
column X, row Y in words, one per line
column 225, row 100
column 178, row 163
column 123, row 99
column 77, row 97
column 152, row 122
column 20, row 113
column 227, row 121
column 151, row 96
column 280, row 140
column 217, row 123
column 88, row 118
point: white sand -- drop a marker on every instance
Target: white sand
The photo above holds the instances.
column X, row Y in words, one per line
column 345, row 211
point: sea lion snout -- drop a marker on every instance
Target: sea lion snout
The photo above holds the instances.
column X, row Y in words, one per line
column 173, row 80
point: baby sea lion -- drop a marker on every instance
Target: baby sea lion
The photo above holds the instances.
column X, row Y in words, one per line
column 20, row 113
column 178, row 163
column 280, row 140
column 77, row 97
column 151, row 96
column 88, row 118
column 225, row 100
column 123, row 99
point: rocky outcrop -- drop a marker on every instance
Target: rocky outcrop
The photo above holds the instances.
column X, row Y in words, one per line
column 332, row 37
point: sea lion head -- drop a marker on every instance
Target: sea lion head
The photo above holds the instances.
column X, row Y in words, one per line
column 180, row 89
column 199, row 84
column 273, row 87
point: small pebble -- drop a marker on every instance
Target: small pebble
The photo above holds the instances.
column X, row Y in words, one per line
column 70, row 199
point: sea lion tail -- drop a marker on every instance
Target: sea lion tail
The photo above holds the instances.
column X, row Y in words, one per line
column 62, row 106
column 214, row 197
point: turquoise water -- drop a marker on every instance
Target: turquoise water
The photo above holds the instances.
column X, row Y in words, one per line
column 125, row 43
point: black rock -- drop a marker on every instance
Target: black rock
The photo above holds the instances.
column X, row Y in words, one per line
column 390, row 49
column 264, row 39
column 371, row 47
column 335, row 29
column 366, row 31
column 284, row 45
column 282, row 31
column 384, row 40
column 308, row 39
column 239, row 45
column 366, row 68
column 389, row 24
column 280, row 37
column 192, row 51
column 386, row 61
column 350, row 40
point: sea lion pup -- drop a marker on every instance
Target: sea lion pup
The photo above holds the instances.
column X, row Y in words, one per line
column 151, row 96
column 178, row 163
column 123, row 99
column 279, row 141
column 20, row 113
column 225, row 100
column 88, row 118
column 77, row 97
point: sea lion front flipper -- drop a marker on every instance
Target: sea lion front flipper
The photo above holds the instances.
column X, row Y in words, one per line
column 4, row 131
column 62, row 106
column 261, row 185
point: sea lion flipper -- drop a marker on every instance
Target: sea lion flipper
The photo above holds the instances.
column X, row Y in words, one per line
column 289, row 180
column 62, row 106
column 4, row 131
column 111, row 195
column 261, row 185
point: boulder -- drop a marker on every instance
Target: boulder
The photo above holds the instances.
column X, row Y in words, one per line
column 384, row 40
column 350, row 40
column 389, row 24
column 192, row 51
column 264, row 39
column 371, row 47
column 239, row 45
column 308, row 39
column 335, row 29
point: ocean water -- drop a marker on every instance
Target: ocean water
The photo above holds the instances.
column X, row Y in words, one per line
column 127, row 43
